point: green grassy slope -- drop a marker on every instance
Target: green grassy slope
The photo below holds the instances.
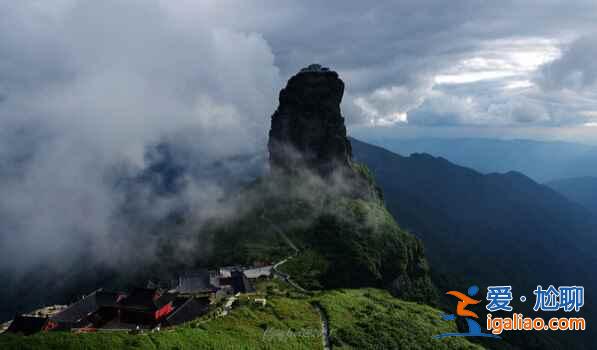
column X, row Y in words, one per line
column 372, row 319
column 359, row 319
column 348, row 238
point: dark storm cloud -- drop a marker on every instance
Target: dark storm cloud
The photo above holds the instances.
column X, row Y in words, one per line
column 575, row 70
column 390, row 53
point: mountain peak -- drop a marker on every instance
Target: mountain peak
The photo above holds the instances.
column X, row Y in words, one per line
column 307, row 127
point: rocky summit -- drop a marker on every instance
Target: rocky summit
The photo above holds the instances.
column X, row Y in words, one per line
column 307, row 127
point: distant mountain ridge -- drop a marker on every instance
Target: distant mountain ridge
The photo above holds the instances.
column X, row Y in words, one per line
column 582, row 190
column 495, row 229
column 541, row 160
column 421, row 184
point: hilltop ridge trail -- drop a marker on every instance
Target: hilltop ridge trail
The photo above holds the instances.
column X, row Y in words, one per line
column 283, row 275
column 280, row 232
column 325, row 334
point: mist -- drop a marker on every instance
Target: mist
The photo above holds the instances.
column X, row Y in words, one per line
column 91, row 92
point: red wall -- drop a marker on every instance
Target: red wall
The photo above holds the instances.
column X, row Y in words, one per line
column 165, row 310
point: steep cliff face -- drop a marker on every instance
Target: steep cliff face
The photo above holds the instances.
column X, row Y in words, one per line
column 325, row 203
column 308, row 127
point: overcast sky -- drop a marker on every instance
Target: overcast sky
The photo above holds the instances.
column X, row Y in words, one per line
column 504, row 68
column 473, row 68
column 86, row 86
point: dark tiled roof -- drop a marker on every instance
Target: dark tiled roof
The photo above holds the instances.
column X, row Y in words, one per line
column 240, row 283
column 86, row 306
column 187, row 309
column 27, row 324
column 107, row 299
column 195, row 282
column 159, row 284
column 141, row 298
column 146, row 299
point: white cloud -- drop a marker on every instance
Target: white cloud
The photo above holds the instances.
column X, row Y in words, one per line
column 471, row 77
column 388, row 105
column 518, row 84
column 516, row 58
column 91, row 85
column 590, row 114
column 504, row 66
